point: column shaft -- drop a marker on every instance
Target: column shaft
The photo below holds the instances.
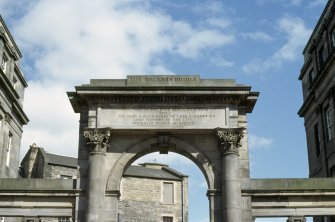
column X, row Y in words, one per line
column 96, row 187
column 231, row 191
column 215, row 206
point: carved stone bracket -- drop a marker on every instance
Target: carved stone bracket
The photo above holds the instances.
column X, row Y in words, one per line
column 230, row 139
column 97, row 138
column 164, row 144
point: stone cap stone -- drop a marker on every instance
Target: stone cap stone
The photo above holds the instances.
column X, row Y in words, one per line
column 161, row 80
column 36, row 184
column 288, row 184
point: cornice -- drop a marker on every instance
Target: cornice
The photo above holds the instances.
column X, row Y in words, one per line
column 306, row 104
column 21, row 114
column 7, row 86
column 13, row 96
column 118, row 92
column 20, row 75
column 10, row 36
column 88, row 89
column 329, row 7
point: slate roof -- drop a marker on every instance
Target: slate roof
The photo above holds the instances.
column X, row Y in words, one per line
column 61, row 160
column 164, row 173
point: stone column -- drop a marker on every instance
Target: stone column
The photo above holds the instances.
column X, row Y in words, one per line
column 296, row 219
column 214, row 197
column 97, row 142
column 229, row 140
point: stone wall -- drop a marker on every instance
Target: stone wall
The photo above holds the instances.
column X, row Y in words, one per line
column 55, row 172
column 141, row 200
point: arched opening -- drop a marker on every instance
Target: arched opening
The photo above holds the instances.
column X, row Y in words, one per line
column 182, row 158
column 194, row 190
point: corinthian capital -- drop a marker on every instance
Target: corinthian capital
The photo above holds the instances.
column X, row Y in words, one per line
column 97, row 138
column 230, row 139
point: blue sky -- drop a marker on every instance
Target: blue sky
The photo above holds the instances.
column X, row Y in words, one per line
column 258, row 43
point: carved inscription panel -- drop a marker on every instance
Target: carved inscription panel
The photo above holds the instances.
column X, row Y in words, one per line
column 162, row 118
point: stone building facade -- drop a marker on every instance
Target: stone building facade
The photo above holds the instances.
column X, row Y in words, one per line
column 153, row 192
column 318, row 84
column 12, row 116
column 39, row 164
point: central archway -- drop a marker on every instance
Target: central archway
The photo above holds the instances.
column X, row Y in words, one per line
column 203, row 120
column 210, row 167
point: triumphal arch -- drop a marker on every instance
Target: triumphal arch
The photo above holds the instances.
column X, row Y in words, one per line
column 204, row 120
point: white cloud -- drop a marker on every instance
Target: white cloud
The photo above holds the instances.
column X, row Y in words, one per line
column 66, row 43
column 221, row 61
column 256, row 142
column 285, row 2
column 53, row 124
column 219, row 22
column 296, row 35
column 209, row 7
column 113, row 40
column 257, row 36
column 295, row 2
column 316, row 3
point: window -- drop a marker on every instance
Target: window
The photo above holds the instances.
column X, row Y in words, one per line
column 317, row 140
column 4, row 62
column 167, row 219
column 168, row 193
column 64, row 219
column 321, row 56
column 328, row 123
column 311, row 76
column 15, row 82
column 9, row 146
column 65, row 177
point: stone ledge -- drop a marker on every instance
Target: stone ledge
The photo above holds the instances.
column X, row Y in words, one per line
column 289, row 184
column 36, row 184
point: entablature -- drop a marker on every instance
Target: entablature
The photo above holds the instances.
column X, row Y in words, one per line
column 199, row 92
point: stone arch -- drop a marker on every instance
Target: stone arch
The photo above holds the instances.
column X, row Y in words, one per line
column 137, row 150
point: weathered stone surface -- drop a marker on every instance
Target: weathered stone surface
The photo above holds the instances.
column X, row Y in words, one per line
column 137, row 203
column 162, row 118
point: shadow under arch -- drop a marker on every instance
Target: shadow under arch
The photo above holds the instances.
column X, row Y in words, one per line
column 144, row 147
